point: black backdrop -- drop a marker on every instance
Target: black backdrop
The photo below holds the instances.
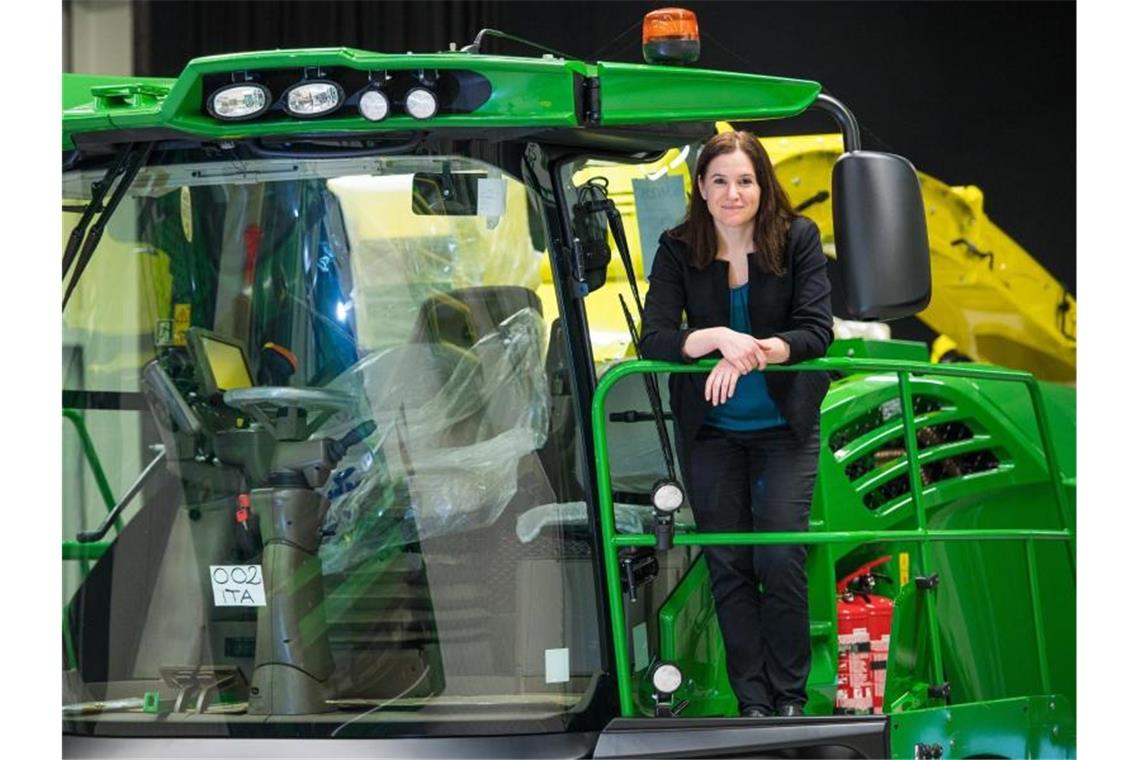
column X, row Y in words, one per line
column 972, row 92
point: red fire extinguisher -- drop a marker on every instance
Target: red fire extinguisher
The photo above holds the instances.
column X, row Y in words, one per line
column 864, row 641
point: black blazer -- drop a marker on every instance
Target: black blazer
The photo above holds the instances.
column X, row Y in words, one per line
column 795, row 306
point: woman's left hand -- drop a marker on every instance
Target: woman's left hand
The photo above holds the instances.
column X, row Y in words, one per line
column 776, row 349
column 721, row 383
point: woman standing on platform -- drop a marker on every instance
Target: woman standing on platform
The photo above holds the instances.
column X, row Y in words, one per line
column 750, row 277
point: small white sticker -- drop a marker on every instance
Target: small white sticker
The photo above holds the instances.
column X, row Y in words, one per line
column 185, row 207
column 492, row 197
column 640, row 646
column 164, row 332
column 557, row 665
column 237, row 585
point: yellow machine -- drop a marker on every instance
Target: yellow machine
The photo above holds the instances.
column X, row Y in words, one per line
column 992, row 302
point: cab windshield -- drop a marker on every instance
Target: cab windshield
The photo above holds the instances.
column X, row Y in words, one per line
column 332, row 395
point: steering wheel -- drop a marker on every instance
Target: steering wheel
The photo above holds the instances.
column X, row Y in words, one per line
column 263, row 401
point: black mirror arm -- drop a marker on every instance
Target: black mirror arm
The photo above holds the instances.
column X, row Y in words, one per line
column 843, row 116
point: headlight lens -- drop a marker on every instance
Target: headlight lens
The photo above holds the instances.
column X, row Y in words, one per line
column 666, row 678
column 421, row 103
column 239, row 101
column 374, row 105
column 313, row 98
column 667, row 496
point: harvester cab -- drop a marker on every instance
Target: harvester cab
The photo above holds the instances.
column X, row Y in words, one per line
column 360, row 465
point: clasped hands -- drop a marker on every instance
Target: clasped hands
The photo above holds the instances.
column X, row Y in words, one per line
column 741, row 354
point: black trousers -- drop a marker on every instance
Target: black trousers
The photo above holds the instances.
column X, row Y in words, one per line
column 758, row 481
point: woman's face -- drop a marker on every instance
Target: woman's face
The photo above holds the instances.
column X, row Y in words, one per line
column 731, row 190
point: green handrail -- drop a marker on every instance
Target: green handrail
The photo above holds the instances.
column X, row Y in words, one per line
column 904, row 369
column 914, row 471
column 73, row 550
column 1038, row 623
column 83, row 552
column 92, row 457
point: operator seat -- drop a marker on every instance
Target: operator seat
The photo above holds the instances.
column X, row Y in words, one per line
column 465, row 315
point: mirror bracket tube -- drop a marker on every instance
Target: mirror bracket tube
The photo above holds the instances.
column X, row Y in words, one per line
column 843, row 116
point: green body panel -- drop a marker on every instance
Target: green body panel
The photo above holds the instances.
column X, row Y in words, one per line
column 632, row 92
column 690, row 634
column 101, row 96
column 690, row 637
column 1000, row 625
column 907, row 350
column 525, row 92
column 95, row 103
column 909, row 668
column 1061, row 407
column 1036, row 726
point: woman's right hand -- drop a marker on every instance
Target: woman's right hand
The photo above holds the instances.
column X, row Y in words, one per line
column 741, row 350
column 721, row 383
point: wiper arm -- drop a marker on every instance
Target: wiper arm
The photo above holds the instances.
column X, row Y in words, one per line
column 654, row 393
column 126, row 167
column 98, row 190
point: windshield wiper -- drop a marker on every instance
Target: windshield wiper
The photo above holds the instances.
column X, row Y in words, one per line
column 126, row 166
column 98, row 190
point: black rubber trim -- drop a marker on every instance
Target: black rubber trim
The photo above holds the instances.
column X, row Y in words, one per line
column 570, row 745
column 129, row 400
column 96, row 146
column 863, row 735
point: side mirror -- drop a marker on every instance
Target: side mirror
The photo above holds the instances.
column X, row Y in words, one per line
column 880, row 235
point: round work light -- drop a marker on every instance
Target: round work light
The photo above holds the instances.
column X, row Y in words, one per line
column 421, row 103
column 374, row 105
column 236, row 102
column 667, row 496
column 313, row 98
column 666, row 678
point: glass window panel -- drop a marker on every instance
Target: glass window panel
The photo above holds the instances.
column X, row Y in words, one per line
column 408, row 589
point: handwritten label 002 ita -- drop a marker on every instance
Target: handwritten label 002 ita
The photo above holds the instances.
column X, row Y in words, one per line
column 237, row 585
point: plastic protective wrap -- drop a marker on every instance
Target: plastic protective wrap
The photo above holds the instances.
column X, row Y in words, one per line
column 452, row 426
column 401, row 259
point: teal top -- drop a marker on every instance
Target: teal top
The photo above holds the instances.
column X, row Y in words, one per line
column 750, row 407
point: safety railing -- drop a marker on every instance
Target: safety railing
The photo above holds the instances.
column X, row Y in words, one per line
column 73, row 550
column 922, row 535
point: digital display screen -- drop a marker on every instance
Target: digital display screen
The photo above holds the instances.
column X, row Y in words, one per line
column 227, row 364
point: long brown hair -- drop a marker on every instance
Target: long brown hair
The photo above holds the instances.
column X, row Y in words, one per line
column 773, row 218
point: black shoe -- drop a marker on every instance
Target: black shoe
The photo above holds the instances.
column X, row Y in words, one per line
column 755, row 712
column 790, row 710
